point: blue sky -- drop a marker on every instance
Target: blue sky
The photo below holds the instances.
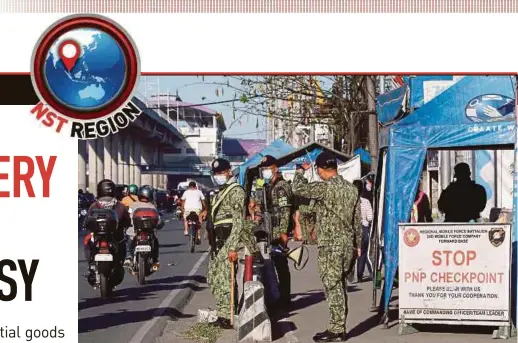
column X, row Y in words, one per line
column 195, row 90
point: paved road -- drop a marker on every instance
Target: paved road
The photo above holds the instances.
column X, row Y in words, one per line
column 137, row 314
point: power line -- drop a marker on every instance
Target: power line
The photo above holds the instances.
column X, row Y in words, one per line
column 247, row 133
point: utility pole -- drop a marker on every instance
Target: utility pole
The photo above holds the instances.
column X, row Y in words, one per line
column 373, row 122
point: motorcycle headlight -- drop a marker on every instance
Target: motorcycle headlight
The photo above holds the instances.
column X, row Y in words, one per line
column 83, row 212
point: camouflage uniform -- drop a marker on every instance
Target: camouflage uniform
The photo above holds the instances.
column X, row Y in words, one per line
column 280, row 201
column 258, row 199
column 231, row 210
column 307, row 218
column 335, row 200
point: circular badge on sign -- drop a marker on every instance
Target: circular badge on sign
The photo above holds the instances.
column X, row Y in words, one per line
column 85, row 67
column 411, row 237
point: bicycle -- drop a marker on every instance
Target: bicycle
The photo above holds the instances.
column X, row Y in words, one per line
column 193, row 225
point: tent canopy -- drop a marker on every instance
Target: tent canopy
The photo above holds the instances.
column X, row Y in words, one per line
column 289, row 160
column 390, row 105
column 477, row 111
column 276, row 149
column 308, row 153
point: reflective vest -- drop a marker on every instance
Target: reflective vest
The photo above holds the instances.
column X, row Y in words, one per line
column 216, row 202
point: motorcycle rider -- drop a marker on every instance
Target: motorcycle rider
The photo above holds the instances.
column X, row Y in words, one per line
column 106, row 200
column 145, row 200
column 131, row 197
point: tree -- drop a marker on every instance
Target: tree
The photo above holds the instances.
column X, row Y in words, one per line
column 296, row 102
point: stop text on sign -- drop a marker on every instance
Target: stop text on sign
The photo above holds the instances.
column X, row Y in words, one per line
column 449, row 257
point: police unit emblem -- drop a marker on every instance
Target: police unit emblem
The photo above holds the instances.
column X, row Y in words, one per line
column 496, row 236
column 411, row 237
column 216, row 164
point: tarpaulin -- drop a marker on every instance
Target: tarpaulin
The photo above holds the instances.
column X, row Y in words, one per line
column 276, row 149
column 474, row 112
column 365, row 156
column 389, row 105
column 417, row 88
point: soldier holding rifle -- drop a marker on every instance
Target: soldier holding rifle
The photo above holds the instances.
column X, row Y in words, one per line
column 278, row 202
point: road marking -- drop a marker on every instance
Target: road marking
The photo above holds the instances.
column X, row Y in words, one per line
column 142, row 332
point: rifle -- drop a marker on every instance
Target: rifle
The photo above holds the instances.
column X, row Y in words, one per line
column 267, row 216
column 210, row 230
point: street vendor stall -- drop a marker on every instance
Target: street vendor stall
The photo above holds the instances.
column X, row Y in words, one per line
column 475, row 113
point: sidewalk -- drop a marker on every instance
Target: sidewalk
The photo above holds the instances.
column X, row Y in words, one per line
column 309, row 314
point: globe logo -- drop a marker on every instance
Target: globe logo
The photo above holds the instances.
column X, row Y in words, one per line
column 490, row 108
column 95, row 78
column 85, row 67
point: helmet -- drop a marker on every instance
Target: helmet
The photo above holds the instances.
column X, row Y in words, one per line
column 133, row 189
column 106, row 188
column 145, row 192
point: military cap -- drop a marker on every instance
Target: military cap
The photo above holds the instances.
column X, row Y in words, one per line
column 220, row 164
column 268, row 161
column 326, row 161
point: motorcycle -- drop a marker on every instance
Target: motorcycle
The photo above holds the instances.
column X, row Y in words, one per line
column 106, row 272
column 193, row 224
column 145, row 221
column 81, row 215
column 81, row 211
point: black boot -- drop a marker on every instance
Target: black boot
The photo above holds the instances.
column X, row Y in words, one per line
column 223, row 323
column 328, row 336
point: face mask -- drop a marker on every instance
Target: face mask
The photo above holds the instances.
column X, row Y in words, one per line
column 368, row 187
column 220, row 180
column 267, row 174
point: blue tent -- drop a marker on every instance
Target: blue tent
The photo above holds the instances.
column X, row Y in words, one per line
column 276, row 149
column 476, row 112
column 365, row 156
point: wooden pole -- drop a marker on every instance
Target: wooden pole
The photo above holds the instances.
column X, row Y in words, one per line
column 232, row 281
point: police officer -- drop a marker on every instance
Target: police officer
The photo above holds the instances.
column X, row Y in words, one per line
column 279, row 200
column 338, row 216
column 231, row 234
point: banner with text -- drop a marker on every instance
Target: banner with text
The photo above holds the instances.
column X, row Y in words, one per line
column 454, row 272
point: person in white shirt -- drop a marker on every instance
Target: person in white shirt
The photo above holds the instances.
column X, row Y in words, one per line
column 193, row 200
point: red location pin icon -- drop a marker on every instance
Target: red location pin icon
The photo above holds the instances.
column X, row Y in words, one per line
column 69, row 51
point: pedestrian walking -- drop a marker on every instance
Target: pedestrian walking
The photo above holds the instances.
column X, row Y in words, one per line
column 337, row 235
column 366, row 223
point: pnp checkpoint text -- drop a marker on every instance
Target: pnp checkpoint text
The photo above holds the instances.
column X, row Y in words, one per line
column 23, row 171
